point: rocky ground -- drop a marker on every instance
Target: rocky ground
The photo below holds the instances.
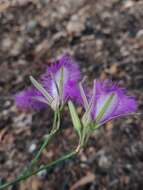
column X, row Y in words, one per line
column 106, row 39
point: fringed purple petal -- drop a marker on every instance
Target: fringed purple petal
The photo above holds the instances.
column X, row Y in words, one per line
column 72, row 92
column 68, row 63
column 26, row 99
column 126, row 105
column 107, row 86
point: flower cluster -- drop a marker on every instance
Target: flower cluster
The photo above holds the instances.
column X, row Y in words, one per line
column 61, row 84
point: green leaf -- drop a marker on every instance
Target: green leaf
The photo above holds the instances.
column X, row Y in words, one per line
column 41, row 89
column 75, row 119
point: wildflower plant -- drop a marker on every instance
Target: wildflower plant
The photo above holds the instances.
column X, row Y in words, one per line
column 59, row 86
column 55, row 87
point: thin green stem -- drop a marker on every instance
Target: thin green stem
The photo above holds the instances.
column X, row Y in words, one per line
column 55, row 127
column 50, row 165
column 47, row 139
column 85, row 135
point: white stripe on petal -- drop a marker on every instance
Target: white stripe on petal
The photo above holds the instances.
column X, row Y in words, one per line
column 101, row 102
column 57, row 77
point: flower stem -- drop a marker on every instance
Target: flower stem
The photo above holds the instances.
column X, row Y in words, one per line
column 50, row 165
column 55, row 127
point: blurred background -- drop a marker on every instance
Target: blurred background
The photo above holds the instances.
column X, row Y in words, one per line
column 106, row 39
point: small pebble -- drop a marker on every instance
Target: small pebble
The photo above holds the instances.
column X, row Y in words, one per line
column 42, row 173
column 32, row 148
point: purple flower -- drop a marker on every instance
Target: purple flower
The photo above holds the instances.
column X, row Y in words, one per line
column 71, row 76
column 60, row 81
column 108, row 101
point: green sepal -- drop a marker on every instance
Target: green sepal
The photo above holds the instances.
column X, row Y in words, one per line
column 94, row 126
column 75, row 119
column 41, row 89
column 61, row 83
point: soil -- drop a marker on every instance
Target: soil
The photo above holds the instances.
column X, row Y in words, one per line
column 106, row 39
